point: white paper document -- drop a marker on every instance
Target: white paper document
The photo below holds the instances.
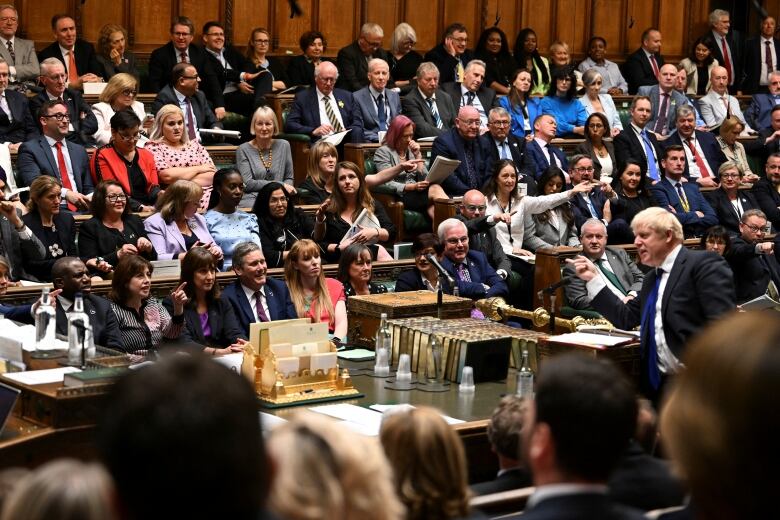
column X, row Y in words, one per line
column 335, row 139
column 40, row 377
column 441, row 169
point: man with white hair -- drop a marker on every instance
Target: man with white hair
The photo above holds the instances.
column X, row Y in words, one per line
column 728, row 47
column 471, row 271
column 473, row 92
column 717, row 105
column 429, row 107
column 321, row 109
column 19, row 53
column 376, row 105
column 759, row 113
column 353, row 59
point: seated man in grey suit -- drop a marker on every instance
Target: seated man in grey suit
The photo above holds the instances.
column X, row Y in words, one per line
column 473, row 92
column 183, row 92
column 619, row 272
column 376, row 105
column 19, row 53
column 663, row 100
column 717, row 105
column 429, row 107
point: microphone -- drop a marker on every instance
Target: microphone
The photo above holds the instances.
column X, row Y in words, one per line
column 554, row 287
column 442, row 272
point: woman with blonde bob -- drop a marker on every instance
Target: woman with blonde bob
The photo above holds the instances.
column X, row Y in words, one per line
column 320, row 171
column 120, row 94
column 327, row 472
column 314, row 296
column 429, row 464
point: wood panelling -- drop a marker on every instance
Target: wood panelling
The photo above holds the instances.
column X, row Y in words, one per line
column 467, row 12
column 386, row 13
column 152, row 23
column 202, row 11
column 537, row 14
column 287, row 31
column 423, row 16
column 37, row 20
column 95, row 15
column 608, row 21
column 248, row 14
column 339, row 20
column 672, row 24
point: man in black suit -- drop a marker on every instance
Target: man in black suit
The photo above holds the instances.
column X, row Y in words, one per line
column 642, row 66
column 541, row 150
column 751, row 258
column 503, row 432
column 72, row 277
column 482, row 232
column 498, row 143
column 574, row 433
column 759, row 113
column 703, row 155
column 767, row 190
column 451, row 56
column 589, row 204
column 767, row 141
column 429, row 107
column 353, row 59
column 16, row 122
column 77, row 56
column 637, row 141
column 472, row 92
column 693, row 288
column 728, row 47
column 250, row 267
column 462, row 143
column 181, row 50
column 83, row 123
column 761, row 58
column 184, row 93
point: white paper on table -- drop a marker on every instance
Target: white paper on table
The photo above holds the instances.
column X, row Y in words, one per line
column 40, row 377
column 92, row 88
column 364, row 420
column 383, row 408
column 268, row 422
column 15, row 337
column 232, row 361
column 595, row 340
column 335, row 139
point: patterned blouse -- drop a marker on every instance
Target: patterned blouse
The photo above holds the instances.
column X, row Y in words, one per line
column 194, row 154
column 229, row 229
column 146, row 330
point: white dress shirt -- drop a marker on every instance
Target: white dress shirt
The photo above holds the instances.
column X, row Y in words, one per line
column 250, row 295
column 68, row 165
column 324, row 119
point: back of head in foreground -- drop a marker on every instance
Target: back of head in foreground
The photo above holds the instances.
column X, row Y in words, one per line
column 720, row 422
column 182, row 439
column 327, row 472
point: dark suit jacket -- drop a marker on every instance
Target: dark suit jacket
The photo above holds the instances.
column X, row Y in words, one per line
column 638, row 72
column 416, row 109
column 19, row 250
column 446, row 63
column 627, row 144
column 624, row 268
column 735, row 42
column 699, row 289
column 23, row 126
column 200, row 107
column 486, row 96
column 768, row 200
column 581, row 209
column 752, row 271
column 580, row 506
column 222, row 321
column 277, row 297
column 300, row 71
column 36, row 157
column 304, row 116
column 66, row 234
column 727, row 215
column 482, row 237
column 540, row 161
column 366, row 115
column 95, row 239
column 20, row 313
column 105, row 328
column 236, row 60
column 410, row 281
column 86, row 60
column 709, row 146
column 162, row 61
column 751, row 66
column 665, row 195
column 453, row 146
column 81, row 116
column 481, row 272
column 353, row 66
column 759, row 113
column 759, row 148
column 110, row 69
column 520, row 156
column 515, row 478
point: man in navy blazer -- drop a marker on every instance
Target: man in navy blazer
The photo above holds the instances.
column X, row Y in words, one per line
column 699, row 144
column 471, row 271
column 590, row 204
column 370, row 98
column 540, row 147
column 17, row 125
column 638, row 68
column 497, row 142
column 637, row 142
column 309, row 115
column 249, row 264
column 754, row 64
column 759, row 113
column 722, row 35
column 39, row 156
column 472, row 91
column 87, row 67
column 690, row 207
column 462, row 143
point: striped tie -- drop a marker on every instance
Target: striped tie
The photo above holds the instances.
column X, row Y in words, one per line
column 434, row 112
column 334, row 122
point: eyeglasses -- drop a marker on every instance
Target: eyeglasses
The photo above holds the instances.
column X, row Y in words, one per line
column 584, row 169
column 326, row 80
column 500, row 123
column 116, row 198
column 181, row 34
column 474, row 207
column 460, row 40
column 754, row 229
column 456, row 241
column 129, row 92
column 129, row 138
column 595, row 125
column 219, row 34
column 58, row 117
column 191, row 77
column 730, row 176
column 6, row 19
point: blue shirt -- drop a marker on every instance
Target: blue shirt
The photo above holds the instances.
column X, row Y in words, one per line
column 518, row 121
column 230, row 229
column 568, row 113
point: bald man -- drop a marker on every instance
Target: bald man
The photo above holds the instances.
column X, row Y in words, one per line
column 663, row 99
column 717, row 105
column 462, row 143
column 321, row 109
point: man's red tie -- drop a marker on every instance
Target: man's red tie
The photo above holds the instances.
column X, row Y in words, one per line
column 697, row 158
column 64, row 173
column 726, row 59
column 654, row 64
column 73, row 72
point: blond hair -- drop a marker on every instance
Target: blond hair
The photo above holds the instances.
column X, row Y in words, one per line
column 171, row 203
column 317, row 152
column 164, row 113
column 116, row 85
column 660, row 221
column 303, row 250
column 264, row 111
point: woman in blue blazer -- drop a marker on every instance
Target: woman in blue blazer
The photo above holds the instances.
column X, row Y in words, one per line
column 522, row 108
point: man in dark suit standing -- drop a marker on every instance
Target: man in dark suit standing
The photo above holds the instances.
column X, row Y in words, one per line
column 253, row 286
column 759, row 113
column 16, row 122
column 692, row 287
column 642, row 66
column 574, row 433
column 637, row 141
column 751, row 258
column 52, row 154
column 462, row 143
column 761, row 59
column 429, row 107
column 181, row 50
column 83, row 123
column 504, row 432
column 451, row 56
column 703, row 155
column 497, row 143
column 184, row 93
column 376, row 105
column 322, row 110
column 353, row 59
column 77, row 56
column 728, row 47
column 541, row 150
column 472, row 92
column 664, row 100
column 71, row 276
column 767, row 190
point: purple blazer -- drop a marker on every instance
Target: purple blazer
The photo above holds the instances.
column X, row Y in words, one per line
column 168, row 240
